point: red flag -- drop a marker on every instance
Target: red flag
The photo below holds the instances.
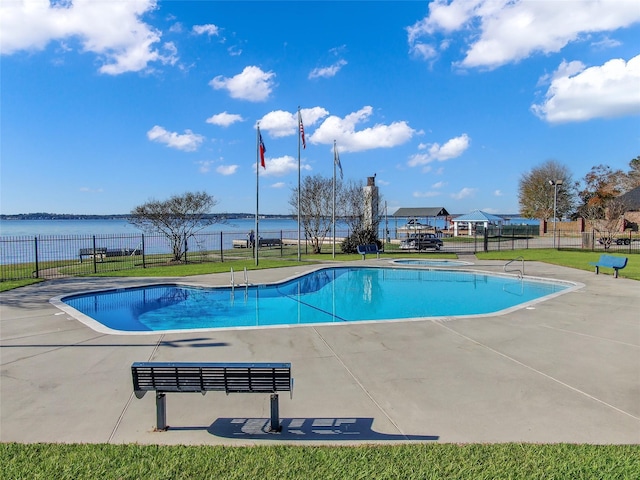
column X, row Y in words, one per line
column 304, row 144
column 262, row 150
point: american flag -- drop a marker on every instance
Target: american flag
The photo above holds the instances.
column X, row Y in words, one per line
column 262, row 150
column 304, row 144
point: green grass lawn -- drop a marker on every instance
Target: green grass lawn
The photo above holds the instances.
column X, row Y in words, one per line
column 567, row 258
column 418, row 461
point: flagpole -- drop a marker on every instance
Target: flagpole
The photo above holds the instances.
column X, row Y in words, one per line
column 334, row 200
column 299, row 134
column 256, row 241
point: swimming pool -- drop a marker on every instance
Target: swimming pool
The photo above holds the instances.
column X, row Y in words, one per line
column 335, row 295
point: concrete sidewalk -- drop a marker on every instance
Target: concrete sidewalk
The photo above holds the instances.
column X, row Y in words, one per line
column 564, row 370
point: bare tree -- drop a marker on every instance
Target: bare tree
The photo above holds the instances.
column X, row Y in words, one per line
column 536, row 194
column 632, row 178
column 177, row 218
column 316, row 208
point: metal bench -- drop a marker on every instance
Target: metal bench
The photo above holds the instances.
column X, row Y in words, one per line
column 369, row 248
column 204, row 377
column 97, row 253
column 609, row 261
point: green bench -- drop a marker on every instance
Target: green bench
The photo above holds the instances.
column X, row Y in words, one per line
column 609, row 261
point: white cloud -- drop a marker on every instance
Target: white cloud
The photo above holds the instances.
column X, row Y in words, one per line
column 498, row 193
column 506, row 31
column 343, row 130
column 280, row 123
column 205, row 166
column 327, row 72
column 466, row 192
column 111, row 30
column 424, row 51
column 577, row 93
column 187, row 142
column 453, row 148
column 208, row 29
column 279, row 185
column 439, row 185
column 252, row 84
column 281, row 166
column 224, row 119
column 425, row 194
column 227, row 169
column 493, row 211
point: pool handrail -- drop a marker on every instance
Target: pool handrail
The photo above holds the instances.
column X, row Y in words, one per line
column 519, row 271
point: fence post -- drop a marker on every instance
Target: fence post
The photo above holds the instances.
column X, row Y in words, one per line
column 144, row 260
column 95, row 254
column 186, row 260
column 221, row 247
column 280, row 243
column 35, row 245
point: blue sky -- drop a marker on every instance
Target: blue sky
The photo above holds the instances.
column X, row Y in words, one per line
column 107, row 104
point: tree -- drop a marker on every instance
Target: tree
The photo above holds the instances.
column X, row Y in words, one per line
column 177, row 218
column 632, row 178
column 536, row 194
column 600, row 207
column 316, row 207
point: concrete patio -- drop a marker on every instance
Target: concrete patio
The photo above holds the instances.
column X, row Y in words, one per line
column 563, row 370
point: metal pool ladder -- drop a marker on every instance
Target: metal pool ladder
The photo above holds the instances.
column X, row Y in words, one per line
column 520, row 271
column 246, row 279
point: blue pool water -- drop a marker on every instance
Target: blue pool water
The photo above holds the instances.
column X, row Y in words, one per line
column 330, row 295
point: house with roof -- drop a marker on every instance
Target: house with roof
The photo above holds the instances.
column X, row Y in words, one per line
column 631, row 200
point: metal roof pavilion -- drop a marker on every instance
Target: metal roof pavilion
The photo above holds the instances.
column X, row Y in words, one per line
column 474, row 218
column 478, row 216
column 421, row 212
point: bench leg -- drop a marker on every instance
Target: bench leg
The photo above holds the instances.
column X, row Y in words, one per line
column 275, row 414
column 597, row 269
column 161, row 412
column 615, row 273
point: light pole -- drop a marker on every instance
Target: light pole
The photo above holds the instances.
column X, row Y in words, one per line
column 555, row 184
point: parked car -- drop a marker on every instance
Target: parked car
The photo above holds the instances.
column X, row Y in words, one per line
column 421, row 241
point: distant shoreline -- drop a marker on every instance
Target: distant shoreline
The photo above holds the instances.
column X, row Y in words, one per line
column 124, row 216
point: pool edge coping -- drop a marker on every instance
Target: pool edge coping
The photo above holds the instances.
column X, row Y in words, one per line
column 101, row 328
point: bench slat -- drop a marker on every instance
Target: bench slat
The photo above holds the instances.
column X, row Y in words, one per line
column 230, row 378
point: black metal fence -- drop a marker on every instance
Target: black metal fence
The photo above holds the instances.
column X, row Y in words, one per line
column 55, row 256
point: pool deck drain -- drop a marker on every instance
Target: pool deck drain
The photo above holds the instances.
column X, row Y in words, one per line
column 567, row 370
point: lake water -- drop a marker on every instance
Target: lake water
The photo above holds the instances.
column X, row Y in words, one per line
column 34, row 228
